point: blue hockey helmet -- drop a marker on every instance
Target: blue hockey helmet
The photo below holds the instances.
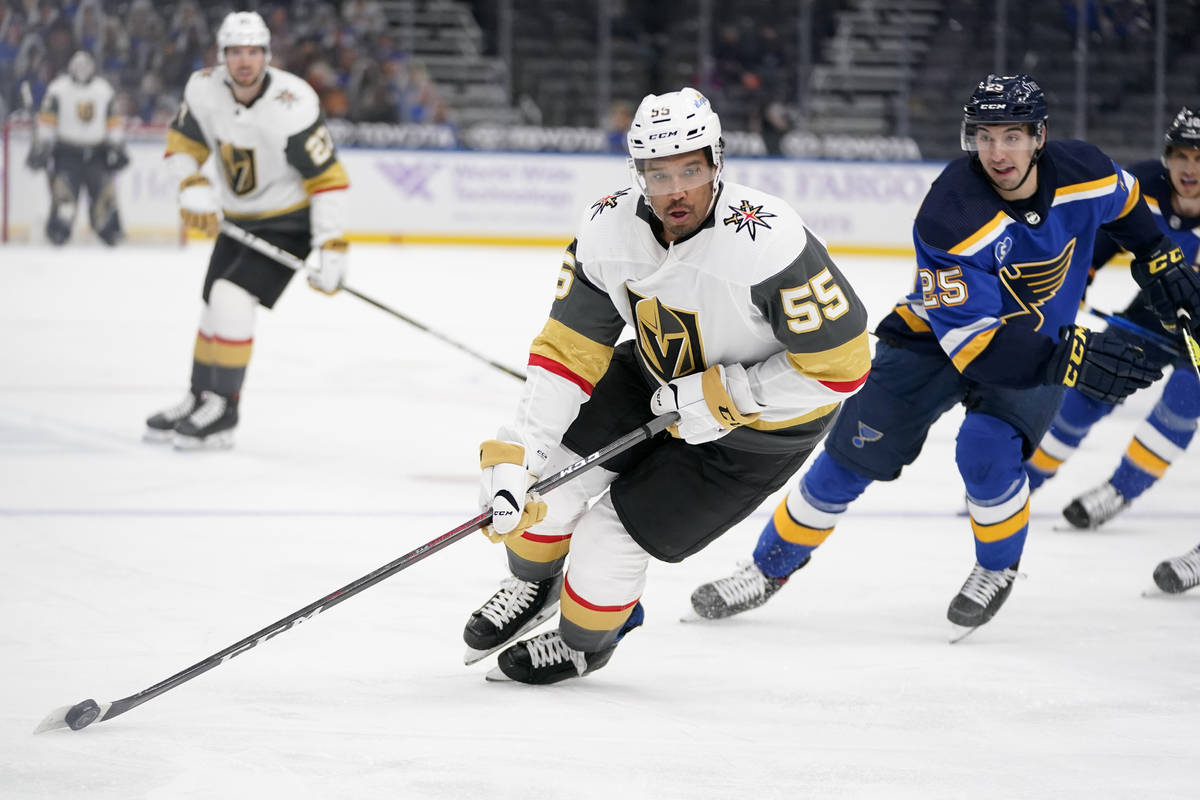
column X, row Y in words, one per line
column 1184, row 130
column 1004, row 98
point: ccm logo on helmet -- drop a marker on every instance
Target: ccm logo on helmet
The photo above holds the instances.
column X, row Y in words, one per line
column 663, row 135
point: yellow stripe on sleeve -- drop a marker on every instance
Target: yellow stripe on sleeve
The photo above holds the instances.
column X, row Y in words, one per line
column 334, row 177
column 1134, row 193
column 585, row 357
column 178, row 143
column 848, row 361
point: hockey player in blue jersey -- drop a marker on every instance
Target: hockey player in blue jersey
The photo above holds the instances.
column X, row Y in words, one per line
column 1171, row 187
column 1003, row 246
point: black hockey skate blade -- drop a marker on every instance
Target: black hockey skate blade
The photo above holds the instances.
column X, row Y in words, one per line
column 82, row 714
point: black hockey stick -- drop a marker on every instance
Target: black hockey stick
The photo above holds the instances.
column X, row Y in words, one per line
column 1159, row 340
column 88, row 711
column 287, row 259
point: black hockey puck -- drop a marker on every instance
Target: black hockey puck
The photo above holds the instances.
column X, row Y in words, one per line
column 82, row 714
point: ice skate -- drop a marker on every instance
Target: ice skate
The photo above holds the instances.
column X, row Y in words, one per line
column 546, row 658
column 1094, row 508
column 517, row 607
column 161, row 426
column 210, row 426
column 1179, row 574
column 745, row 589
column 982, row 595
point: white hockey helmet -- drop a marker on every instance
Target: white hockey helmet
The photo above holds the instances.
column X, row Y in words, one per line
column 671, row 124
column 243, row 28
column 81, row 67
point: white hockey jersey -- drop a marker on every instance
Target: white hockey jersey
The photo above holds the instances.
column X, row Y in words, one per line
column 752, row 286
column 79, row 114
column 271, row 156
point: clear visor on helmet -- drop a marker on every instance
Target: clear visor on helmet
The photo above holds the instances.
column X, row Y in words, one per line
column 674, row 174
column 1007, row 136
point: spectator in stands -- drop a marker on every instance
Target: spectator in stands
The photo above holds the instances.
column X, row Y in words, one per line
column 88, row 24
column 620, row 117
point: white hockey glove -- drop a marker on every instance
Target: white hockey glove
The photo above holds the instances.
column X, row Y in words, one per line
column 198, row 204
column 503, row 488
column 710, row 403
column 327, row 269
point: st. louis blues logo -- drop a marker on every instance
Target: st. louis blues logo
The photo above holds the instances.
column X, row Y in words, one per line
column 1035, row 283
column 608, row 201
column 865, row 435
column 748, row 217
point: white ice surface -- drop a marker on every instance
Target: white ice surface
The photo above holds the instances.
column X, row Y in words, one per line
column 121, row 563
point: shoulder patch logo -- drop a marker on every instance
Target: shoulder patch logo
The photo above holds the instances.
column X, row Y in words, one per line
column 286, row 97
column 749, row 218
column 608, row 201
column 1002, row 248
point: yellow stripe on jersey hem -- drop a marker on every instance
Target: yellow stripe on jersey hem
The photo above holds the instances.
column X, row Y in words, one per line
column 276, row 212
column 993, row 225
column 971, row 350
column 1001, row 530
column 178, row 143
column 914, row 322
column 1146, row 460
column 585, row 357
column 761, row 424
column 791, row 531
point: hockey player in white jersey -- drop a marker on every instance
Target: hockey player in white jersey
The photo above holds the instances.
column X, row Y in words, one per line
column 742, row 324
column 79, row 141
column 278, row 176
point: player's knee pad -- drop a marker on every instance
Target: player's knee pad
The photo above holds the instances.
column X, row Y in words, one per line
column 607, row 566
column 230, row 312
column 988, row 453
column 606, row 577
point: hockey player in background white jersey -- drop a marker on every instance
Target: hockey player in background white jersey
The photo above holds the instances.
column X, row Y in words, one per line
column 278, row 176
column 742, row 324
column 80, row 143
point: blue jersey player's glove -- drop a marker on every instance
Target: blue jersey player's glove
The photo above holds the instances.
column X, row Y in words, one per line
column 1099, row 365
column 1170, row 283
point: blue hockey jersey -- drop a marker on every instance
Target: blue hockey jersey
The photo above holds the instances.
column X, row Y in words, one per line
column 1156, row 188
column 995, row 280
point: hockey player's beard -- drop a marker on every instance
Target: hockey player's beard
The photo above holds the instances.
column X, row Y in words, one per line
column 254, row 81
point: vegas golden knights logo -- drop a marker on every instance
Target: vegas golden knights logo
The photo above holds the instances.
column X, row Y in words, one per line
column 85, row 110
column 669, row 338
column 239, row 168
column 1035, row 283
